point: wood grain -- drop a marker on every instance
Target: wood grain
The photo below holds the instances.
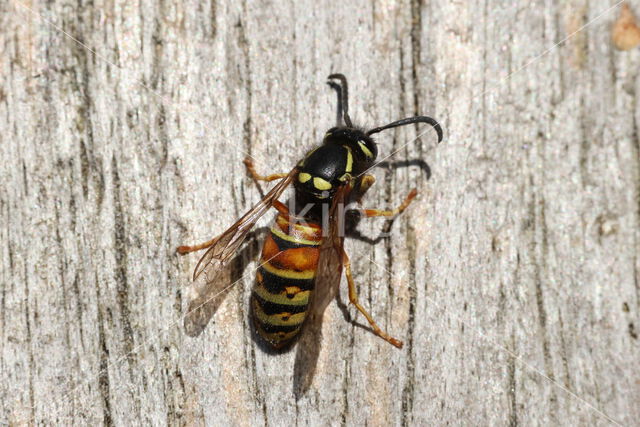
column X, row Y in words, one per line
column 513, row 279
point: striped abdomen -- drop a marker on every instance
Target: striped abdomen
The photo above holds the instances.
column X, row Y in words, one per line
column 285, row 280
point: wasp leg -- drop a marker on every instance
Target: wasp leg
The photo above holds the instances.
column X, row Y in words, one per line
column 369, row 213
column 353, row 297
column 363, row 186
column 248, row 162
column 183, row 250
column 365, row 183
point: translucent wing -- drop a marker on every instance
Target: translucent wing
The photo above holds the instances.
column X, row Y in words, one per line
column 207, row 281
column 330, row 263
column 327, row 286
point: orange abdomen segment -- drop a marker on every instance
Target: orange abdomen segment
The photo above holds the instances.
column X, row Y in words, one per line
column 285, row 280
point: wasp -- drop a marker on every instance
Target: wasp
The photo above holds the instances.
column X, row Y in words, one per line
column 303, row 255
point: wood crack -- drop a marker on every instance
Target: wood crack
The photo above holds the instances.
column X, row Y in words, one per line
column 103, row 376
column 121, row 270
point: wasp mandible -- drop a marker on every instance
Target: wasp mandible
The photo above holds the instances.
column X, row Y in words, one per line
column 303, row 255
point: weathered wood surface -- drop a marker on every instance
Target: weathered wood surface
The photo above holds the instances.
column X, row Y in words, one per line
column 514, row 279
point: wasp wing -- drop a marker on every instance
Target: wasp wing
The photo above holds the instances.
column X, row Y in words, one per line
column 329, row 273
column 327, row 286
column 208, row 284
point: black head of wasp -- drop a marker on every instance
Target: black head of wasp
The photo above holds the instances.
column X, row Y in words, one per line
column 303, row 254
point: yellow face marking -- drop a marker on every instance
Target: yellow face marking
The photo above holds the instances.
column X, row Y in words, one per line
column 303, row 177
column 349, row 160
column 365, row 150
column 289, row 274
column 321, row 184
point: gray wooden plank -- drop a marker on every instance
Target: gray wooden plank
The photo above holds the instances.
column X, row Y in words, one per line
column 513, row 279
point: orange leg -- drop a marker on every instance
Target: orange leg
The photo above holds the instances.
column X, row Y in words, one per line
column 183, row 250
column 248, row 162
column 280, row 207
column 377, row 212
column 353, row 297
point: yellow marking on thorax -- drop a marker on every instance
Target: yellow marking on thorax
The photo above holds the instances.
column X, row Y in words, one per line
column 289, row 274
column 303, row 161
column 303, row 177
column 344, row 178
column 311, row 152
column 321, row 184
column 349, row 159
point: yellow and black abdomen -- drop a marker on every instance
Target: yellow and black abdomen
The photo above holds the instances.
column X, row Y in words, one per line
column 285, row 280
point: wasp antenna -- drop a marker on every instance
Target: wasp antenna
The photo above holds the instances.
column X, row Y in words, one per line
column 408, row 121
column 335, row 86
column 344, row 97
